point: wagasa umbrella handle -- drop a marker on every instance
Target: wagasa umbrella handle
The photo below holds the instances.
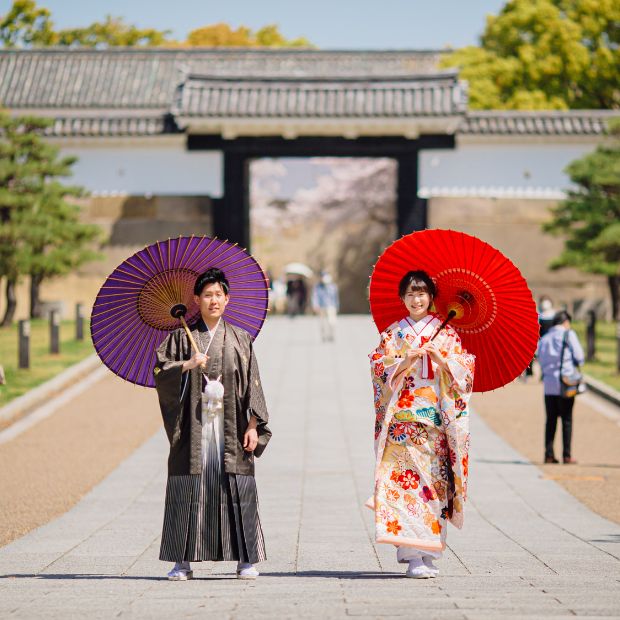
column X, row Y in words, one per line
column 451, row 315
column 178, row 312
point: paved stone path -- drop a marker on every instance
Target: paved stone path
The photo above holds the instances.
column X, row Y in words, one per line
column 528, row 548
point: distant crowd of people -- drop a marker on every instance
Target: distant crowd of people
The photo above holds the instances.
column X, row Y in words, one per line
column 294, row 294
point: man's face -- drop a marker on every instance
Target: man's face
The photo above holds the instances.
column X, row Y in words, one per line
column 212, row 301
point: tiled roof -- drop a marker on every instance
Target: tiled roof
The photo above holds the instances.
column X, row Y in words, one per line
column 132, row 92
column 121, row 125
column 147, row 78
column 438, row 95
column 543, row 123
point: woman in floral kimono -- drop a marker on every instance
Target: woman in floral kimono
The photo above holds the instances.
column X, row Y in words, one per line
column 421, row 390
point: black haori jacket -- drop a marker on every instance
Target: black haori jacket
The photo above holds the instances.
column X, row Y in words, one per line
column 180, row 398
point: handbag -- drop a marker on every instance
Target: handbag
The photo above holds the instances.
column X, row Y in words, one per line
column 570, row 382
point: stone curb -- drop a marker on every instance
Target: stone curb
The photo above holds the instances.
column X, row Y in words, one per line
column 23, row 404
column 603, row 390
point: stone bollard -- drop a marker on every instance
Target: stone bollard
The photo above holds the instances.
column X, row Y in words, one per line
column 54, row 331
column 618, row 346
column 24, row 344
column 79, row 321
column 591, row 336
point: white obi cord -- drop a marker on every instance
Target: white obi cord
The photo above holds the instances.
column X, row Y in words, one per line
column 212, row 410
column 427, row 368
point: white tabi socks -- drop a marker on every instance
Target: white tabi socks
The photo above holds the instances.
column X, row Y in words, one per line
column 418, row 569
column 182, row 571
column 246, row 571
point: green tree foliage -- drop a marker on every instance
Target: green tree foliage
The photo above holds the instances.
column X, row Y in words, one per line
column 28, row 25
column 222, row 35
column 113, row 31
column 54, row 241
column 25, row 25
column 40, row 233
column 545, row 54
column 589, row 217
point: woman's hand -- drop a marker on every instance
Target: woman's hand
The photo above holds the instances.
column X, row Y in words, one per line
column 434, row 353
column 198, row 359
column 415, row 354
column 250, row 438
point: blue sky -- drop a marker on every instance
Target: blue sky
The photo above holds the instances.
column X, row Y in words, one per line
column 330, row 24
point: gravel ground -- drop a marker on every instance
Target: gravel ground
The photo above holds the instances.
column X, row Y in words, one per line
column 49, row 467
column 517, row 414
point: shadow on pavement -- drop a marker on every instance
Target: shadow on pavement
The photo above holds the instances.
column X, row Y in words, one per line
column 539, row 463
column 327, row 574
column 501, row 462
column 334, row 574
column 610, row 538
column 77, row 576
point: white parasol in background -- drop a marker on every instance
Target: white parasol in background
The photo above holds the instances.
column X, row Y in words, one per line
column 298, row 269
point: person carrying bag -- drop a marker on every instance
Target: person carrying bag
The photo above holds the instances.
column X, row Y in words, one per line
column 571, row 381
column 560, row 355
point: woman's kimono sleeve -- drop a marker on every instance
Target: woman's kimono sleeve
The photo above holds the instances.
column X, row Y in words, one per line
column 384, row 363
column 171, row 382
column 255, row 404
column 456, row 385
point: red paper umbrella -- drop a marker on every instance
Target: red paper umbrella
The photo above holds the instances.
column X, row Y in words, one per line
column 494, row 312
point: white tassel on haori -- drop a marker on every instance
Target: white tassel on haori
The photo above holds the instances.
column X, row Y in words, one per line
column 213, row 397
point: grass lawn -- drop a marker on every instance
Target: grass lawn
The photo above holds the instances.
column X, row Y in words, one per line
column 43, row 365
column 604, row 366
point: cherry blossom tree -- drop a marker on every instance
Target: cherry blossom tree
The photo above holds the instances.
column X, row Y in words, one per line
column 341, row 224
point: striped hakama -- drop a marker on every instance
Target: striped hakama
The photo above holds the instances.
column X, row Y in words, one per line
column 212, row 516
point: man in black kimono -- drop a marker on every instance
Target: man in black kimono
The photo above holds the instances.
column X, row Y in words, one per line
column 215, row 417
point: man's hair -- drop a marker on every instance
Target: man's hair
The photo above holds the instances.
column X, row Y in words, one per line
column 213, row 275
column 561, row 316
column 418, row 281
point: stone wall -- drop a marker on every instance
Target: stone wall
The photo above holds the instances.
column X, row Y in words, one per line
column 128, row 223
column 348, row 248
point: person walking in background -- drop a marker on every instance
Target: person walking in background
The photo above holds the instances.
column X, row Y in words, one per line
column 422, row 380
column 546, row 314
column 326, row 303
column 296, row 297
column 278, row 296
column 559, row 349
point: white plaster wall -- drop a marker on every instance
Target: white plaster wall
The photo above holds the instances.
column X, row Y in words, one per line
column 144, row 170
column 134, row 167
column 501, row 165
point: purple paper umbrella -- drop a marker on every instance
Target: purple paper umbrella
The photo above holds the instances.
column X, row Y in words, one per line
column 132, row 312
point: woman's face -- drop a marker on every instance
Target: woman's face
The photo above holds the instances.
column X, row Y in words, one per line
column 417, row 302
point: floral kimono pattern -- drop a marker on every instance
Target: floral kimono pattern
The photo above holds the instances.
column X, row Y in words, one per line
column 421, row 435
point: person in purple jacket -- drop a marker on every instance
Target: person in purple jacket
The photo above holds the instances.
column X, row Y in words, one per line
column 550, row 349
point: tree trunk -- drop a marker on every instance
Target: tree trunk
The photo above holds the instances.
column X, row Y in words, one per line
column 11, row 302
column 614, row 288
column 36, row 312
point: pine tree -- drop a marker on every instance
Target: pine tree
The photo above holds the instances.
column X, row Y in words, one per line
column 32, row 208
column 590, row 217
column 53, row 241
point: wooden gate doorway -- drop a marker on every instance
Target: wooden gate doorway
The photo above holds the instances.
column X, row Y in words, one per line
column 231, row 217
